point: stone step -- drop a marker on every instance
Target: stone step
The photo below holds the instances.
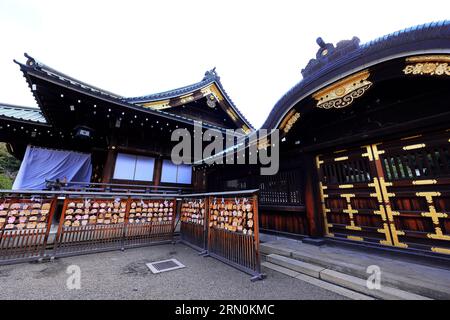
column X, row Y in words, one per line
column 358, row 284
column 317, row 282
column 296, row 265
column 417, row 286
column 340, row 279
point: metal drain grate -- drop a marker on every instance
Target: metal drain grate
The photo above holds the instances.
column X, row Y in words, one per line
column 165, row 265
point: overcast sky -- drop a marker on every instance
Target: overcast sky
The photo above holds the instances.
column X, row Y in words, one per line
column 139, row 47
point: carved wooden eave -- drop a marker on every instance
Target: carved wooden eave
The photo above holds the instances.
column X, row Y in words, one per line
column 433, row 65
column 342, row 93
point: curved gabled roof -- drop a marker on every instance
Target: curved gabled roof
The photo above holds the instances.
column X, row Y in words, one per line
column 33, row 66
column 333, row 63
column 210, row 78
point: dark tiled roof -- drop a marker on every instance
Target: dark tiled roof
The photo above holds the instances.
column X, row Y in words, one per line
column 171, row 93
column 33, row 65
column 209, row 78
column 22, row 113
column 430, row 36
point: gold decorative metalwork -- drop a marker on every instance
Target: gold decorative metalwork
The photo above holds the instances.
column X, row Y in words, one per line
column 341, row 158
column 165, row 104
column 376, row 152
column 345, row 186
column 263, row 143
column 414, row 146
column 350, row 211
column 290, row 119
column 424, row 182
column 187, row 98
column 327, row 225
column 440, row 250
column 158, row 105
column 318, row 162
column 434, row 215
column 377, row 193
column 355, row 238
column 212, row 89
column 232, row 114
column 246, row 129
column 437, row 65
column 385, row 209
column 344, row 92
column 411, row 137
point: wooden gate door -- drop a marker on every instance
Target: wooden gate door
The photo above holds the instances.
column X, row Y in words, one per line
column 394, row 193
column 416, row 190
column 352, row 203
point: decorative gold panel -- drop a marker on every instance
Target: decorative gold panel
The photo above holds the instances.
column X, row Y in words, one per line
column 158, row 105
column 414, row 146
column 344, row 92
column 187, row 98
column 165, row 104
column 434, row 65
column 212, row 89
column 231, row 114
column 246, row 129
column 291, row 118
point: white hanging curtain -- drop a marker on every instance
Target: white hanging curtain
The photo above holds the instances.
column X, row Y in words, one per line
column 40, row 164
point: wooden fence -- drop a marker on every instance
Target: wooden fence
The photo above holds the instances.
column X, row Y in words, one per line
column 193, row 217
column 223, row 225
column 101, row 224
column 24, row 228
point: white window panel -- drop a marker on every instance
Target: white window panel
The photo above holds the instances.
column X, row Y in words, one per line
column 133, row 167
column 169, row 172
column 184, row 174
column 125, row 166
column 144, row 168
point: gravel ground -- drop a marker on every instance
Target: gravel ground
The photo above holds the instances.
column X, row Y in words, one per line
column 124, row 275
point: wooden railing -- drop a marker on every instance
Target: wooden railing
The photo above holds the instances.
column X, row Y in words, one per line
column 114, row 187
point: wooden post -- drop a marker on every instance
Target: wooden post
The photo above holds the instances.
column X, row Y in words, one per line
column 108, row 169
column 256, row 232
column 157, row 172
column 311, row 196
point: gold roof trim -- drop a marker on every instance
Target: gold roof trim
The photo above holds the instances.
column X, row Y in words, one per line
column 433, row 65
column 434, row 58
column 157, row 105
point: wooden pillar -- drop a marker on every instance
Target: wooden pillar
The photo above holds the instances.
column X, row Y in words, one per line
column 108, row 169
column 157, row 172
column 312, row 197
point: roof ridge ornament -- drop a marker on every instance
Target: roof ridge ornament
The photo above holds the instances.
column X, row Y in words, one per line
column 328, row 53
column 211, row 74
column 31, row 62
